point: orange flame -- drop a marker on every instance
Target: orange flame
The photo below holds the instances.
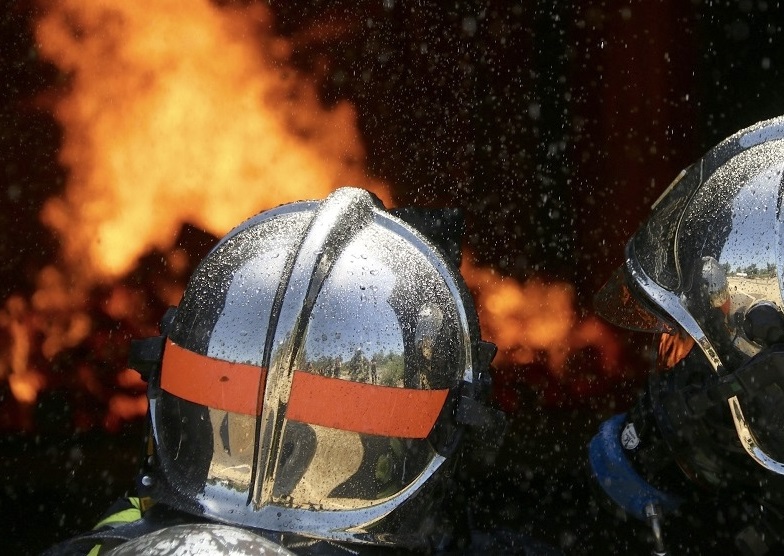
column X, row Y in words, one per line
column 183, row 113
column 533, row 318
column 190, row 113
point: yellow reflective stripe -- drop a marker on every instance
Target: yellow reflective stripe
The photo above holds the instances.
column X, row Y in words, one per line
column 124, row 516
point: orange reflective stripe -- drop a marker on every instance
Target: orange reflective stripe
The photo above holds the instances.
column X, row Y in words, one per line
column 315, row 399
column 234, row 387
column 365, row 408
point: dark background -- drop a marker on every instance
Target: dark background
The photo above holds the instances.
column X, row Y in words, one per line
column 553, row 125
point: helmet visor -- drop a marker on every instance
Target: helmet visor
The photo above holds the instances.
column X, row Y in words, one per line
column 651, row 258
column 710, row 248
column 618, row 304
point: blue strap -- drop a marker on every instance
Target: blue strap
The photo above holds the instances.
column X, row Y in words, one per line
column 618, row 478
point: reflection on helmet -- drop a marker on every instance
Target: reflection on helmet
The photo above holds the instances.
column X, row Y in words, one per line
column 709, row 254
column 199, row 539
column 309, row 377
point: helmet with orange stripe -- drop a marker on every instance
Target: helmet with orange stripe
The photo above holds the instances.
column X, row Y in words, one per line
column 317, row 376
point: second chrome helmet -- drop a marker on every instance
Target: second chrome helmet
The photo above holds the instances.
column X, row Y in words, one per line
column 707, row 269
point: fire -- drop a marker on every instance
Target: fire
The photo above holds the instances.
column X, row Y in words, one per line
column 51, row 321
column 534, row 319
column 180, row 113
column 25, row 386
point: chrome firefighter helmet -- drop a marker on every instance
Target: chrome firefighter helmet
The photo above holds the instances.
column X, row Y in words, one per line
column 706, row 270
column 317, row 376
